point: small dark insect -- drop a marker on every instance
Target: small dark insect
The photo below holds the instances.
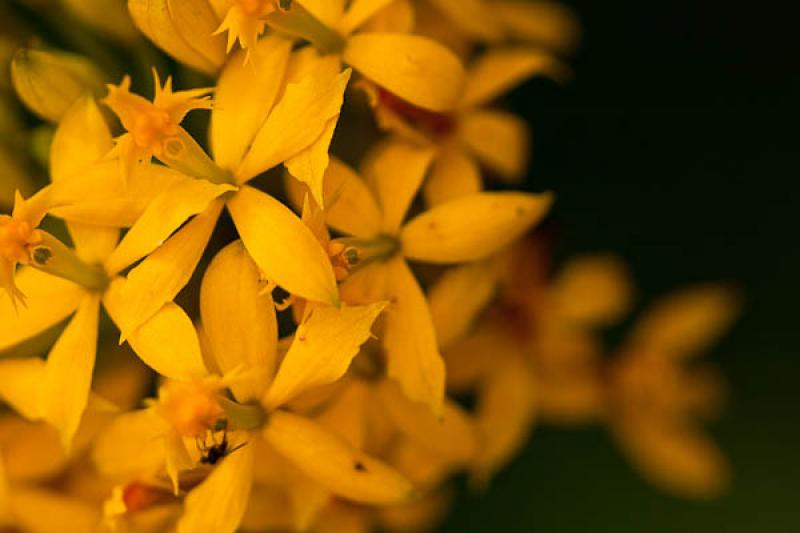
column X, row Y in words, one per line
column 218, row 450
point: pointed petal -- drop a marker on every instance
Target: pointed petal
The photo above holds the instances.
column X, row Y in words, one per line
column 167, row 342
column 472, row 227
column 245, row 94
column 161, row 276
column 410, row 340
column 309, row 165
column 81, row 138
column 593, row 290
column 501, row 69
column 68, row 371
column 298, row 119
column 414, row 68
column 395, row 170
column 360, row 11
column 163, row 216
column 457, row 298
column 49, row 300
column 219, row 503
column 454, row 173
column 322, row 350
column 20, row 380
column 333, row 463
column 499, row 140
column 239, row 321
column 287, row 253
column 349, row 204
column 550, row 24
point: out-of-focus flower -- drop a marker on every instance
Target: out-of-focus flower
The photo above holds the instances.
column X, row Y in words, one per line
column 658, row 394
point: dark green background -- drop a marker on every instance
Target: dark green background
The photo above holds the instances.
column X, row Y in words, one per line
column 676, row 146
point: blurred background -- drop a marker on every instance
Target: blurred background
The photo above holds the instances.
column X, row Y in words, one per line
column 676, row 147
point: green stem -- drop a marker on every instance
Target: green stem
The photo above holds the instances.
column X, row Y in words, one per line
column 244, row 417
column 53, row 257
column 297, row 21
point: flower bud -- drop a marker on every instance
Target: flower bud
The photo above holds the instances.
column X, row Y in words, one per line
column 48, row 83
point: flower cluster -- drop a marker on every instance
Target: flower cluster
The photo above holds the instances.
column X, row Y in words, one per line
column 275, row 321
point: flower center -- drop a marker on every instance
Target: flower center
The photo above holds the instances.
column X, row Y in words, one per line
column 193, row 408
column 256, row 8
column 151, row 128
column 17, row 239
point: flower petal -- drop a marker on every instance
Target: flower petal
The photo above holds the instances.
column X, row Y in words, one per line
column 414, row 68
column 334, row 464
column 245, row 94
column 499, row 140
column 309, row 165
column 287, row 253
column 131, row 446
column 67, row 377
column 593, row 290
column 454, row 173
column 81, row 138
column 322, row 349
column 550, row 24
column 412, row 353
column 20, row 380
column 239, row 321
column 161, row 276
column 472, row 227
column 473, row 17
column 349, row 204
column 395, row 170
column 219, row 503
column 43, row 510
column 360, row 11
column 49, row 300
column 163, row 216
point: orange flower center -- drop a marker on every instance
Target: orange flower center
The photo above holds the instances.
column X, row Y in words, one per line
column 191, row 408
column 256, row 8
column 16, row 239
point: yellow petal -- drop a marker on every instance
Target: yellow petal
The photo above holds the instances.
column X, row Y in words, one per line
column 20, row 380
column 550, row 24
column 81, row 138
column 685, row 322
column 410, row 340
column 309, row 165
column 454, row 173
column 245, row 94
column 675, row 457
column 68, row 372
column 457, row 298
column 499, row 140
column 359, row 11
column 298, row 119
column 506, row 413
column 329, row 12
column 182, row 28
column 49, row 300
column 219, row 503
column 414, row 68
column 500, row 70
column 161, row 276
column 98, row 196
column 368, row 284
column 282, row 246
column 49, row 511
column 163, row 216
column 472, row 227
column 93, row 244
column 239, row 321
column 349, row 204
column 131, row 446
column 323, row 347
column 473, row 17
column 593, row 290
column 167, row 342
column 346, row 414
column 395, row 170
column 452, row 435
column 334, row 464
column 396, row 17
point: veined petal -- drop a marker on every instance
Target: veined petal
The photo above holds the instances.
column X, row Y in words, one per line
column 322, row 349
column 414, row 68
column 500, row 70
column 167, row 342
column 457, row 298
column 239, row 321
column 20, row 381
column 67, row 378
column 499, row 140
column 334, row 464
column 361, row 11
column 245, row 94
column 81, row 138
column 219, row 503
column 454, row 173
column 452, row 435
column 349, row 204
column 163, row 216
column 282, row 246
column 49, row 300
column 160, row 277
column 472, row 227
column 298, row 119
column 411, row 349
column 395, row 170
column 309, row 165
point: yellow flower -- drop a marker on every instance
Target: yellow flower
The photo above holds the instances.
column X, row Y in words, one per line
column 245, row 20
column 658, row 394
column 373, row 213
column 19, row 238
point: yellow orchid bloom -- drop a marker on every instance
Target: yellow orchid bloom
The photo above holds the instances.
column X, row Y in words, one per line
column 657, row 398
column 372, row 213
column 241, row 331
